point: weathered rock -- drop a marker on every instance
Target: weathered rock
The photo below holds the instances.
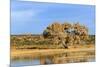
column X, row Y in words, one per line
column 66, row 34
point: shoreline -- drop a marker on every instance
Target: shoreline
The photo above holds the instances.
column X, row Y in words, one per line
column 21, row 53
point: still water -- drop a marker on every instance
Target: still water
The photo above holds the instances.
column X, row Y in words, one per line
column 19, row 63
column 55, row 59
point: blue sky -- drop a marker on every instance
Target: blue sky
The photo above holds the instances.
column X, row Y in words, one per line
column 34, row 17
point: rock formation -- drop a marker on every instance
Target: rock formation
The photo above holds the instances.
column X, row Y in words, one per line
column 66, row 34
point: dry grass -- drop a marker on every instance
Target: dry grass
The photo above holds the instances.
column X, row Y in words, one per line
column 20, row 53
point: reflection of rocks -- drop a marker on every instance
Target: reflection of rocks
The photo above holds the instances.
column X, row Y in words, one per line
column 42, row 60
column 66, row 34
column 68, row 58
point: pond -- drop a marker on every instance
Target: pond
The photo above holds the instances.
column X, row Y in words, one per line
column 54, row 59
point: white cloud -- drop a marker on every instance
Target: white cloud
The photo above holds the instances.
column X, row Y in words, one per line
column 24, row 15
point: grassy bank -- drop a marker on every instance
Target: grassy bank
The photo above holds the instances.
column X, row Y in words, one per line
column 26, row 53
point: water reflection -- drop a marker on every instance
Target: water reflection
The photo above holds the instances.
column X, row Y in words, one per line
column 55, row 59
column 20, row 63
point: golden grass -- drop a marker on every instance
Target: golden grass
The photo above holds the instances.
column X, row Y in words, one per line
column 20, row 53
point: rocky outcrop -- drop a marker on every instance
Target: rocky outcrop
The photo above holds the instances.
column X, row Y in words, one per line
column 66, row 34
